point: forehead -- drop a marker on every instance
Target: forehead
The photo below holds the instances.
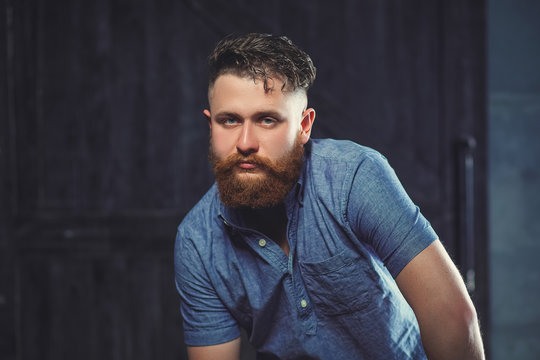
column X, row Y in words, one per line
column 230, row 89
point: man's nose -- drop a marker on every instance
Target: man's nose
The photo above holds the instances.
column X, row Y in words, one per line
column 247, row 142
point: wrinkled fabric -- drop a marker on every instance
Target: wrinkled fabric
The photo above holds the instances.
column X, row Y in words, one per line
column 351, row 230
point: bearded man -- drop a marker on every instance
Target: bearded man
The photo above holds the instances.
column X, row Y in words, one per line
column 312, row 246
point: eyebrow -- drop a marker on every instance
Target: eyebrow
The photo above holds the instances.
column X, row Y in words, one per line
column 227, row 114
column 270, row 113
column 258, row 114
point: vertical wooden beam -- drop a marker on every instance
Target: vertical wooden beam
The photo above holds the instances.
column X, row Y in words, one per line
column 7, row 203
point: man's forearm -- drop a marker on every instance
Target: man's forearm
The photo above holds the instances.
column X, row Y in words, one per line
column 454, row 336
column 433, row 287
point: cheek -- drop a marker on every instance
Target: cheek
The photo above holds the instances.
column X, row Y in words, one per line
column 220, row 143
column 281, row 144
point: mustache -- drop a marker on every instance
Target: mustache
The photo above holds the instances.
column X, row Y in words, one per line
column 229, row 164
column 236, row 159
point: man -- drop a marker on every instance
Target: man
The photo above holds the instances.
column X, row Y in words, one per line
column 312, row 246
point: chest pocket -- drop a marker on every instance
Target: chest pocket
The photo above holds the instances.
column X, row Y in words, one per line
column 342, row 284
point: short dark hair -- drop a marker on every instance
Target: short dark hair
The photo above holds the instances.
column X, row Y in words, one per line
column 262, row 56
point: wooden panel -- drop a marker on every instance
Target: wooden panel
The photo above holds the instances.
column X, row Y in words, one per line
column 98, row 288
column 111, row 130
column 98, row 306
column 107, row 144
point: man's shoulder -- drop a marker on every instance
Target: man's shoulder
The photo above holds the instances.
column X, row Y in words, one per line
column 342, row 151
column 334, row 165
column 203, row 213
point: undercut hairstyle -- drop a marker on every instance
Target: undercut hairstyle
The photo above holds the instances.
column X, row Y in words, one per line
column 262, row 56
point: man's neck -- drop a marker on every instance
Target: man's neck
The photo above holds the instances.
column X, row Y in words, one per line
column 272, row 222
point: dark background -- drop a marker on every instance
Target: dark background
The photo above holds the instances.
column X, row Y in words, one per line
column 103, row 146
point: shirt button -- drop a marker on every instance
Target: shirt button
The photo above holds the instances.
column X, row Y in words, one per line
column 262, row 243
column 303, row 303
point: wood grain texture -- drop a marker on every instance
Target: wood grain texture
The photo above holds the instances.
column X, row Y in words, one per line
column 7, row 262
column 99, row 306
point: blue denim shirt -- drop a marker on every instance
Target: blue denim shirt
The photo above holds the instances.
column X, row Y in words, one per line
column 351, row 230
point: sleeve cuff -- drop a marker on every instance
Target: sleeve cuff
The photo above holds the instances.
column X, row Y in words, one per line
column 213, row 337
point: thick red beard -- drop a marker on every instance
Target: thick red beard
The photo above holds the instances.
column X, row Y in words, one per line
column 269, row 188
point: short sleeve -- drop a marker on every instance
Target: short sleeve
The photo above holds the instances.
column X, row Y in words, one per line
column 206, row 321
column 381, row 213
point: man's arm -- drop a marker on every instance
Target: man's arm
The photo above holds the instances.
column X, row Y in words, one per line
column 227, row 351
column 433, row 287
column 206, row 320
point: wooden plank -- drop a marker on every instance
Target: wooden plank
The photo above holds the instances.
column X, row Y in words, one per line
column 8, row 306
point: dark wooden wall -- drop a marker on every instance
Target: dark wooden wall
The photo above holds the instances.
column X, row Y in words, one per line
column 103, row 145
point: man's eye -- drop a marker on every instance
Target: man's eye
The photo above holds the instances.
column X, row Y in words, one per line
column 228, row 121
column 268, row 121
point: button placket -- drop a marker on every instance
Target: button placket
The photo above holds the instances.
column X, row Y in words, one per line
column 270, row 251
column 306, row 313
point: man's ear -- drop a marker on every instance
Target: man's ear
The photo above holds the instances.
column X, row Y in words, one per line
column 308, row 116
column 206, row 113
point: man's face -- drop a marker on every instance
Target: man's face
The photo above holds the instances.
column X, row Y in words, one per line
column 257, row 139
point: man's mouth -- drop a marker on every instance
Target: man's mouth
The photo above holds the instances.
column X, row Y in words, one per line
column 247, row 165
